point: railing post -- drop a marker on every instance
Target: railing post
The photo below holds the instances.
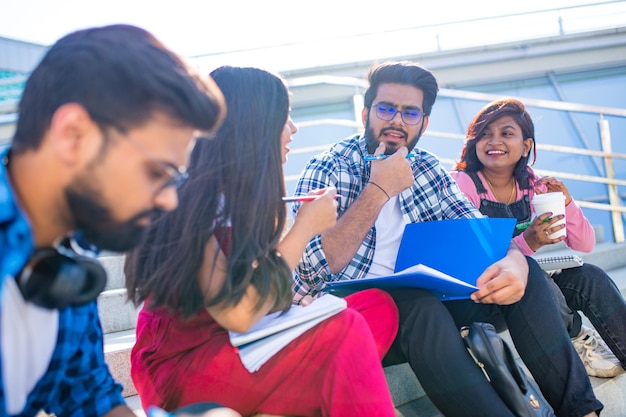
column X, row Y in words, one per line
column 614, row 199
column 358, row 103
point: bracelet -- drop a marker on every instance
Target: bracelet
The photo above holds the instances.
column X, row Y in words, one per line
column 381, row 189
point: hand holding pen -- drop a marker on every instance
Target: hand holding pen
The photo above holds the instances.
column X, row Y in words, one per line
column 537, row 231
column 318, row 213
column 304, row 198
column 382, row 156
column 390, row 174
column 524, row 226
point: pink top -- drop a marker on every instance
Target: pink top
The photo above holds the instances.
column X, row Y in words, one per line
column 580, row 234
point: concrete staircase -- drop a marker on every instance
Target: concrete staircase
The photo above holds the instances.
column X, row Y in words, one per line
column 119, row 317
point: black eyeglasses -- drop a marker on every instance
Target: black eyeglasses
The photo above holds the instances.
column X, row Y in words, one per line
column 387, row 112
column 176, row 175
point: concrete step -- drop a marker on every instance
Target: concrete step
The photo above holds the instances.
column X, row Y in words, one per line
column 608, row 256
column 117, row 347
column 116, row 312
column 611, row 392
column 134, row 403
column 114, row 265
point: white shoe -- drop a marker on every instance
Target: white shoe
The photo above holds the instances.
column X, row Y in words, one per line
column 598, row 359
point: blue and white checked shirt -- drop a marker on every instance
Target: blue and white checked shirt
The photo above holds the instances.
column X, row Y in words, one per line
column 78, row 381
column 433, row 196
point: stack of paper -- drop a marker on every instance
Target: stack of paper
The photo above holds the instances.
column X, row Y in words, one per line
column 274, row 331
column 417, row 276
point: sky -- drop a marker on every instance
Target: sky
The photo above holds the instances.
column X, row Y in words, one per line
column 208, row 27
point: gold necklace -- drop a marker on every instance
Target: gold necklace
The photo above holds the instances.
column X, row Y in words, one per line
column 511, row 197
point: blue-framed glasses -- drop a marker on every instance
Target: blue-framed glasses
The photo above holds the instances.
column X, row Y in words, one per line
column 176, row 176
column 387, row 112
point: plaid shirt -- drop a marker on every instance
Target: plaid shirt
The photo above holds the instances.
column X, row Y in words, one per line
column 433, row 196
column 77, row 381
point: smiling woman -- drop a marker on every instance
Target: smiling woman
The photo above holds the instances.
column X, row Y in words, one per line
column 497, row 151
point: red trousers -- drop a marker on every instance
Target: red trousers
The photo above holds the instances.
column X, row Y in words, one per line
column 334, row 369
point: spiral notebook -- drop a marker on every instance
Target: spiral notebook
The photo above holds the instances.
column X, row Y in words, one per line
column 553, row 263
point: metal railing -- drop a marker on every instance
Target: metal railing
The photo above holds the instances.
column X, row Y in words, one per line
column 614, row 206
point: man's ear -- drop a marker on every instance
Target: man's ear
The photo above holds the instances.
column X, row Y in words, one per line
column 73, row 134
column 425, row 120
column 364, row 114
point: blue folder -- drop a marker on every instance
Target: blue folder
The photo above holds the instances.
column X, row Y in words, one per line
column 445, row 257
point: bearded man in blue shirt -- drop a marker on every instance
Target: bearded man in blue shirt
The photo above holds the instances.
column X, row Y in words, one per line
column 106, row 124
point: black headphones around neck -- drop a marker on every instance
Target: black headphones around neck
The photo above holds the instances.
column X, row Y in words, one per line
column 58, row 277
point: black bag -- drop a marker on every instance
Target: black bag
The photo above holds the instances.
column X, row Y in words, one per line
column 496, row 360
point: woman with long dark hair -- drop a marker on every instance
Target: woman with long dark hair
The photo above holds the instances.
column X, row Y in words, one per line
column 223, row 260
column 494, row 173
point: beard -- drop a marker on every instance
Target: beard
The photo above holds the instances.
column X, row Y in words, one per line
column 373, row 140
column 95, row 219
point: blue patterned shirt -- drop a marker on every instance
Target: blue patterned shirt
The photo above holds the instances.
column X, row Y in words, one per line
column 77, row 381
column 433, row 196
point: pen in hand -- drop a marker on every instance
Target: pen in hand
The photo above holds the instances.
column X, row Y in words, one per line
column 303, row 198
column 523, row 226
column 383, row 156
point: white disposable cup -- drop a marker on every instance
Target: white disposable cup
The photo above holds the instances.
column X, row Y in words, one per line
column 551, row 202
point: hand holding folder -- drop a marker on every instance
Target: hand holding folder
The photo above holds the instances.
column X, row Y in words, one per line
column 445, row 257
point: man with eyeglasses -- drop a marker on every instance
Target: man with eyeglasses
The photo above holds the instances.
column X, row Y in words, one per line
column 107, row 121
column 382, row 188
